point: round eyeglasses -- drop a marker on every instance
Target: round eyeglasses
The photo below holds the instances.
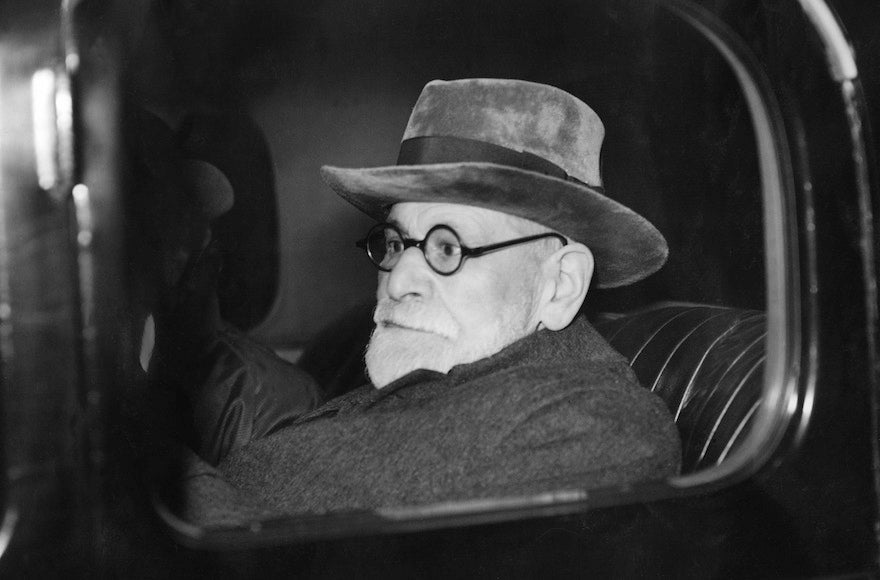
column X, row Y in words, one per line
column 442, row 247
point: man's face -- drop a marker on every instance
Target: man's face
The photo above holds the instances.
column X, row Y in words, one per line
column 428, row 321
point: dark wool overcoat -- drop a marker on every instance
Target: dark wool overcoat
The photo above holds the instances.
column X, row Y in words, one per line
column 555, row 411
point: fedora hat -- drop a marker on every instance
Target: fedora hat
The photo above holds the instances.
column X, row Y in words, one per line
column 518, row 147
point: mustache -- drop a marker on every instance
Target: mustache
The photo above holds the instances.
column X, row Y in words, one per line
column 415, row 315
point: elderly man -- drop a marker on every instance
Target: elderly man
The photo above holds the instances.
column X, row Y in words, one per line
column 485, row 381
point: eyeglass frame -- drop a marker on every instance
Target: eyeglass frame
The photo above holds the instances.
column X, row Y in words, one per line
column 466, row 252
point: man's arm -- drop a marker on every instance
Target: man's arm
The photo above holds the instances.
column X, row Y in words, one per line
column 583, row 439
column 239, row 391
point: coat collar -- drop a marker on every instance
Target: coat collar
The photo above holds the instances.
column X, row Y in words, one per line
column 577, row 344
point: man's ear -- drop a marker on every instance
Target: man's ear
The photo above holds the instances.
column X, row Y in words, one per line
column 567, row 275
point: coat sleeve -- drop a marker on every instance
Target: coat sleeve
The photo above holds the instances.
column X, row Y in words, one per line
column 197, row 493
column 582, row 438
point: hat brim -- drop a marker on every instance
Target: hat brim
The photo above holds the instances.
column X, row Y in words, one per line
column 626, row 246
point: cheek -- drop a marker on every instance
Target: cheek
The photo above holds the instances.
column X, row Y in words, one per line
column 382, row 285
column 487, row 304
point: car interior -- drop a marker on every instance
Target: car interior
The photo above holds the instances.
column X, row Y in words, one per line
column 269, row 93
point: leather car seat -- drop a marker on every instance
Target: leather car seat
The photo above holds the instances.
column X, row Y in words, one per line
column 706, row 362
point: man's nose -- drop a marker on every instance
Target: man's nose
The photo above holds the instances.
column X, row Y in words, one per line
column 411, row 276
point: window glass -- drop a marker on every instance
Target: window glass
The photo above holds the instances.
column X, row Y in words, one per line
column 271, row 91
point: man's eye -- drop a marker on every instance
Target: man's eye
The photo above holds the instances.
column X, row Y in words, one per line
column 449, row 249
column 393, row 246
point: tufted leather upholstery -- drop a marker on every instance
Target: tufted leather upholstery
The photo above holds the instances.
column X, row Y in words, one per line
column 706, row 362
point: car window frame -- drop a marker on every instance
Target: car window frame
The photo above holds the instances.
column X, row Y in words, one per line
column 789, row 375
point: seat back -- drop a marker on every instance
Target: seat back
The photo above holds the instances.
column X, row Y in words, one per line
column 706, row 362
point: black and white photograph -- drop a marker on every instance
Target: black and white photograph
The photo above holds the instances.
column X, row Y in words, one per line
column 439, row 289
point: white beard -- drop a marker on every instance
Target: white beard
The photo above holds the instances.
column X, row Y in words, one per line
column 413, row 335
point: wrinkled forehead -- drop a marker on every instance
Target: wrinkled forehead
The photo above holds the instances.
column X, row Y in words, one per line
column 418, row 217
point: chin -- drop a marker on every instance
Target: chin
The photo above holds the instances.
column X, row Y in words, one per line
column 394, row 352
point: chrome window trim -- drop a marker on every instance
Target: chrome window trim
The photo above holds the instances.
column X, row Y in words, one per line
column 783, row 370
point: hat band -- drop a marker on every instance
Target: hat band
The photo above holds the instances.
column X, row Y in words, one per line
column 442, row 149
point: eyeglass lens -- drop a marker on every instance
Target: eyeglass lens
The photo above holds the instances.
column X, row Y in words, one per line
column 442, row 248
column 384, row 246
